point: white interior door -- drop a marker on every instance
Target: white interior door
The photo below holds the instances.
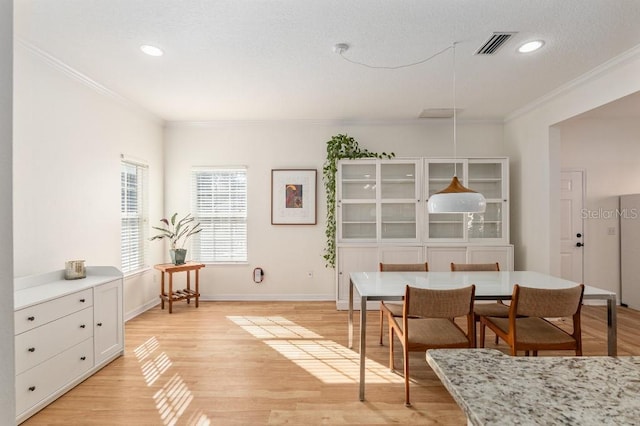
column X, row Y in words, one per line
column 571, row 225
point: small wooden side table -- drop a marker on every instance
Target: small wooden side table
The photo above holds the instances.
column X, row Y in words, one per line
column 187, row 293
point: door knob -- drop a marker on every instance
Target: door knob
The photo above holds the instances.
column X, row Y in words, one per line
column 579, row 235
column 579, row 245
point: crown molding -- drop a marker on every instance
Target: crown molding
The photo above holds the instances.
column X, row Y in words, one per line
column 76, row 75
column 585, row 78
column 325, row 122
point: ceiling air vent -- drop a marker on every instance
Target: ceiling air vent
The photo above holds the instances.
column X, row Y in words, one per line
column 494, row 43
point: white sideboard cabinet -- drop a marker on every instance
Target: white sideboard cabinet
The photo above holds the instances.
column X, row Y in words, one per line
column 382, row 216
column 65, row 330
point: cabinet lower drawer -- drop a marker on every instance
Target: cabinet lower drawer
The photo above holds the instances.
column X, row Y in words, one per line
column 39, row 344
column 45, row 379
column 37, row 315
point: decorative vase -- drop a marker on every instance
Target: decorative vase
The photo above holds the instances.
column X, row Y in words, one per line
column 178, row 256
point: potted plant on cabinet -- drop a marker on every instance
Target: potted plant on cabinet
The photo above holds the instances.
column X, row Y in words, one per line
column 178, row 234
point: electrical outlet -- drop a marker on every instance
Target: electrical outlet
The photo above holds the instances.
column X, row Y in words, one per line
column 310, row 274
column 611, row 230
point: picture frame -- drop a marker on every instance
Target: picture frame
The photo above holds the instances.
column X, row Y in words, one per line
column 294, row 197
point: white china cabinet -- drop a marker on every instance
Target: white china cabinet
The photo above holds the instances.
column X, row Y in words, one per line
column 382, row 215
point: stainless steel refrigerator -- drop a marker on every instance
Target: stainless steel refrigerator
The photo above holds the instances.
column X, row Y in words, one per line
column 629, row 214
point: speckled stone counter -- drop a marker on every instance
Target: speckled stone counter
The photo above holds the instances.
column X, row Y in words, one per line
column 497, row 389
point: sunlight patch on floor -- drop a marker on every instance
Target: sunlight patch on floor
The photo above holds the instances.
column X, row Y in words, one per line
column 273, row 327
column 172, row 400
column 325, row 359
column 147, row 348
column 174, row 397
column 153, row 369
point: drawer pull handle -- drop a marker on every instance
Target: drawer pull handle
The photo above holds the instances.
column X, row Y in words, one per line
column 31, row 349
column 32, row 388
column 83, row 358
column 99, row 324
column 82, row 326
column 31, row 318
column 81, row 300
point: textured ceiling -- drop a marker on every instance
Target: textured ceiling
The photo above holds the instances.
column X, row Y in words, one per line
column 271, row 59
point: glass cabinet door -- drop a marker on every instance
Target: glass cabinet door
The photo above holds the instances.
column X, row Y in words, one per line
column 445, row 226
column 358, row 221
column 358, row 182
column 487, row 224
column 357, row 201
column 378, row 200
column 488, row 178
column 483, row 175
column 398, row 200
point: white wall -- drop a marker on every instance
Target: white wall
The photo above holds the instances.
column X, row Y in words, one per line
column 287, row 253
column 609, row 152
column 69, row 134
column 7, row 362
column 534, row 145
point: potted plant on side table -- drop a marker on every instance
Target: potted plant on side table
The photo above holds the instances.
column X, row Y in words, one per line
column 178, row 234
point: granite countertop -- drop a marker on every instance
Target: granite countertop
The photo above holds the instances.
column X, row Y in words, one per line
column 497, row 389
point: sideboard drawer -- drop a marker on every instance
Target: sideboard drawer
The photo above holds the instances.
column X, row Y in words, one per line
column 37, row 315
column 45, row 379
column 37, row 345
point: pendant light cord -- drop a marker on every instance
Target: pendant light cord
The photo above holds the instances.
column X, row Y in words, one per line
column 455, row 124
column 342, row 48
column 392, row 67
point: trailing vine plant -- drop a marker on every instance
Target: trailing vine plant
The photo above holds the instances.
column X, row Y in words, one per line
column 338, row 148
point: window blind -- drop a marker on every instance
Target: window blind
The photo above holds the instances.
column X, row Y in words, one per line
column 219, row 203
column 133, row 211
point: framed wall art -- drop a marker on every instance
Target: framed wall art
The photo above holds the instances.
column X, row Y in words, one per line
column 293, row 196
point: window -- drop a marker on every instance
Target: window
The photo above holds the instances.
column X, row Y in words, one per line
column 219, row 202
column 133, row 212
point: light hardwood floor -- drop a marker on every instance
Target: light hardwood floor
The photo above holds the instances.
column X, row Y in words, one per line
column 270, row 363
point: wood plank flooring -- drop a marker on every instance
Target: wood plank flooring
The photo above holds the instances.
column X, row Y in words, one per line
column 271, row 363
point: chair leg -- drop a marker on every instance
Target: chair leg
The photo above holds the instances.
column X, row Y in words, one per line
column 405, row 352
column 482, row 331
column 381, row 325
column 391, row 333
column 476, row 320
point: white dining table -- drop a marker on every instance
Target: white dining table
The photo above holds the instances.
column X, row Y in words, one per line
column 376, row 286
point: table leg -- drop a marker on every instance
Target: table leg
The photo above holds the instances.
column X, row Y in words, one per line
column 612, row 335
column 188, row 286
column 363, row 342
column 170, row 292
column 350, row 320
column 162, row 294
column 197, row 286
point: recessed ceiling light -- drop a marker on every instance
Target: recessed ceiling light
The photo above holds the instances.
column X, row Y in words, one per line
column 151, row 50
column 531, row 46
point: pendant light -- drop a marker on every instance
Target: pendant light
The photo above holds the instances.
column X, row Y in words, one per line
column 455, row 198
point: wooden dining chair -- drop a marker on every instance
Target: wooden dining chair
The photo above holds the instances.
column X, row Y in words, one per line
column 493, row 309
column 527, row 327
column 428, row 322
column 395, row 308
